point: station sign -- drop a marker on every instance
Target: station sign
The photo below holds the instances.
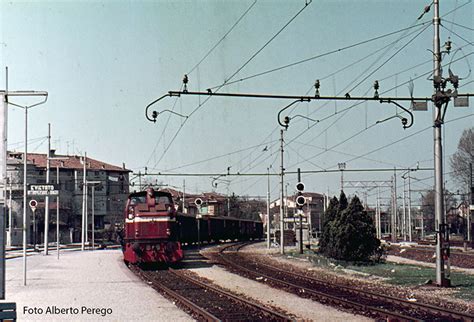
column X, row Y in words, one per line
column 42, row 190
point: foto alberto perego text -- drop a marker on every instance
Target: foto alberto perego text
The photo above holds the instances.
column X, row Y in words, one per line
column 55, row 310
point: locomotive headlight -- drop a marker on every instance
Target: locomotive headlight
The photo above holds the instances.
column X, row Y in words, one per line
column 131, row 213
column 168, row 231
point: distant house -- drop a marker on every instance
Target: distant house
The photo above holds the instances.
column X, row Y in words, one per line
column 109, row 197
column 216, row 204
column 313, row 211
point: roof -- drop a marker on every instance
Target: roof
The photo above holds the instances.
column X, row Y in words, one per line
column 69, row 162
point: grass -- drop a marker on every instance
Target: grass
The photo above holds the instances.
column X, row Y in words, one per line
column 397, row 274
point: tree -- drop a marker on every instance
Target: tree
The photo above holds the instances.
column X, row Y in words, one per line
column 348, row 231
column 329, row 216
column 353, row 234
column 428, row 207
column 462, row 158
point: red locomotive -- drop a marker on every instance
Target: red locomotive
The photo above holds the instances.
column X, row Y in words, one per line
column 154, row 231
column 151, row 229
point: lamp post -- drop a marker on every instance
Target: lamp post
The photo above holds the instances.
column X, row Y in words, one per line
column 25, row 158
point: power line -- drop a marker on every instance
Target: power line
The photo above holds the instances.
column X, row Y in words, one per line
column 405, row 138
column 223, row 37
column 459, row 25
column 235, row 73
column 265, row 45
column 386, row 61
column 218, row 157
column 469, row 42
column 319, row 56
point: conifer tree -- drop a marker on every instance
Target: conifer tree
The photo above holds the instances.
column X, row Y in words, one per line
column 353, row 234
column 329, row 216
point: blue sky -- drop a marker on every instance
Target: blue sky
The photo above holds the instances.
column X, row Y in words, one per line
column 102, row 62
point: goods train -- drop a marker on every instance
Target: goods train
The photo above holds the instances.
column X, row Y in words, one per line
column 154, row 231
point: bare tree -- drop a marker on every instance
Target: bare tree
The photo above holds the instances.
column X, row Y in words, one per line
column 462, row 158
column 428, row 206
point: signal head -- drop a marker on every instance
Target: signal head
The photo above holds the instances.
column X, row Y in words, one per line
column 300, row 201
column 300, row 186
column 198, row 202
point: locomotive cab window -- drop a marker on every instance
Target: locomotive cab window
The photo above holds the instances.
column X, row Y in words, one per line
column 163, row 200
column 137, row 200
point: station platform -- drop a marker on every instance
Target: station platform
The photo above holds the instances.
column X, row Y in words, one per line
column 84, row 286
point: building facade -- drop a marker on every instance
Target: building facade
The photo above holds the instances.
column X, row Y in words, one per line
column 111, row 188
column 313, row 212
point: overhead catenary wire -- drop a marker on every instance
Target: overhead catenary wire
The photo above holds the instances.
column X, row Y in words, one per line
column 219, row 156
column 459, row 25
column 317, row 56
column 391, row 44
column 360, row 102
column 386, row 61
column 469, row 42
column 192, row 69
column 223, row 37
column 338, row 50
column 235, row 73
column 406, row 137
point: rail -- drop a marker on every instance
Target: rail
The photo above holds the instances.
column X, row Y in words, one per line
column 340, row 293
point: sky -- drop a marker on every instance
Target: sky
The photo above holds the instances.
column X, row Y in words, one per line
column 103, row 62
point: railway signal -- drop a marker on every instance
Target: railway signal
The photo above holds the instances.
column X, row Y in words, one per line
column 300, row 202
column 198, row 202
column 300, row 199
column 33, row 204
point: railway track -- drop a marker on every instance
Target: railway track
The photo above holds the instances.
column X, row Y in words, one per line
column 355, row 299
column 206, row 302
column 424, row 254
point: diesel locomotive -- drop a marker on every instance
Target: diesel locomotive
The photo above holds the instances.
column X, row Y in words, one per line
column 154, row 231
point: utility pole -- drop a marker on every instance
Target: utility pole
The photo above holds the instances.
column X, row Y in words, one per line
column 441, row 279
column 10, row 216
column 93, row 216
column 184, row 191
column 268, row 208
column 3, row 180
column 393, row 220
column 139, row 181
column 57, row 211
column 84, row 191
column 300, row 211
column 409, row 208
column 471, row 203
column 379, row 227
column 282, row 240
column 46, row 202
column 404, row 220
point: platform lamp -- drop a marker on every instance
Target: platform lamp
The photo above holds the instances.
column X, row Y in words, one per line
column 44, row 97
